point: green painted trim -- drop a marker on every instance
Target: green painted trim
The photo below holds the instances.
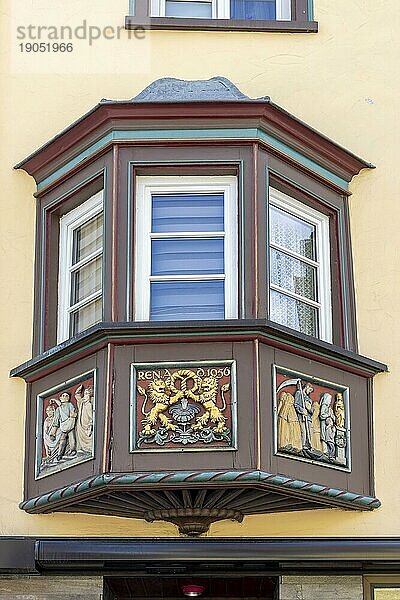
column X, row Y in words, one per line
column 343, row 287
column 242, row 242
column 268, row 253
column 310, row 10
column 303, row 188
column 189, row 478
column 195, row 134
column 110, row 337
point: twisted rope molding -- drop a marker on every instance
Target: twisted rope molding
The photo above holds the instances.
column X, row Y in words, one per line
column 164, row 480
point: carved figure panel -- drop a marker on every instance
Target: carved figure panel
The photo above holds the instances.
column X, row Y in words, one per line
column 65, row 425
column 178, row 406
column 311, row 419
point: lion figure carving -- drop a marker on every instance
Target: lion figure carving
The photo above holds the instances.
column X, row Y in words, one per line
column 161, row 396
column 207, row 397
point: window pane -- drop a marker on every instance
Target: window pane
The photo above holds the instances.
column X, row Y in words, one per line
column 185, row 300
column 187, row 256
column 87, row 238
column 292, row 233
column 293, row 275
column 86, row 280
column 188, row 9
column 387, row 593
column 188, row 212
column 294, row 314
column 253, row 9
column 86, row 317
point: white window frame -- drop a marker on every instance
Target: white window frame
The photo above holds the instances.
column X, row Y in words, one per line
column 146, row 186
column 68, row 224
column 221, row 9
column 322, row 262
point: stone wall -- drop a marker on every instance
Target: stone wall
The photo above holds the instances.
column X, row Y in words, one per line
column 321, row 588
column 21, row 587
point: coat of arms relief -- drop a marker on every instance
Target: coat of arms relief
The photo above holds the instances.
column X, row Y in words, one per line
column 311, row 419
column 184, row 405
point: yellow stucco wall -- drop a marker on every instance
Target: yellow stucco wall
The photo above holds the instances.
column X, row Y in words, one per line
column 343, row 81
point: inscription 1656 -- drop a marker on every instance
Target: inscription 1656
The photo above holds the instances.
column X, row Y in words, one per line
column 184, row 405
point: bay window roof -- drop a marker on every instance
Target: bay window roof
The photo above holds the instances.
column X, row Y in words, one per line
column 172, row 109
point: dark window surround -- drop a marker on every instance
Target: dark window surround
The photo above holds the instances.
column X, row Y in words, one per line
column 151, row 160
column 302, row 21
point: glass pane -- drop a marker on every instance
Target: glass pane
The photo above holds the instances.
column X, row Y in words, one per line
column 387, row 593
column 86, row 280
column 188, row 212
column 187, row 256
column 88, row 238
column 87, row 316
column 294, row 314
column 188, row 9
column 292, row 233
column 253, row 9
column 293, row 275
column 185, row 300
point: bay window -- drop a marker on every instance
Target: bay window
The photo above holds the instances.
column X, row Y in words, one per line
column 80, row 302
column 186, row 248
column 299, row 273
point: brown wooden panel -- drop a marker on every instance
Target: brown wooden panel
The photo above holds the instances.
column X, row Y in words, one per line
column 122, row 460
column 359, row 478
column 77, row 472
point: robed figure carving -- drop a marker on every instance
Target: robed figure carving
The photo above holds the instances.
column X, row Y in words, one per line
column 66, row 425
column 84, row 425
column 289, row 432
column 311, row 421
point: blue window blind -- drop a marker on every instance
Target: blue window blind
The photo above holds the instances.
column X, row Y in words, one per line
column 188, row 9
column 253, row 9
column 188, row 212
column 187, row 256
column 186, row 300
column 185, row 269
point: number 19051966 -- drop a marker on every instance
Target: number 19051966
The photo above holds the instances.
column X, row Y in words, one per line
column 38, row 47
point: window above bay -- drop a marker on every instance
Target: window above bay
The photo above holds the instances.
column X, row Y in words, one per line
column 223, row 9
column 245, row 15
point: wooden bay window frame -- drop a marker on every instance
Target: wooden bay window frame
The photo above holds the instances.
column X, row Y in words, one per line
column 320, row 264
column 69, row 224
column 167, row 185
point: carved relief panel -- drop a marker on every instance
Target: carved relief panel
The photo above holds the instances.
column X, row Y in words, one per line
column 183, row 406
column 65, row 425
column 312, row 419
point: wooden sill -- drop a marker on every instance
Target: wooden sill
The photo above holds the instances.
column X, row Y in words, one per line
column 147, row 23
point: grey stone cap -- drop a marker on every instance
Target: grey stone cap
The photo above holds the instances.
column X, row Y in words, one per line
column 169, row 89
